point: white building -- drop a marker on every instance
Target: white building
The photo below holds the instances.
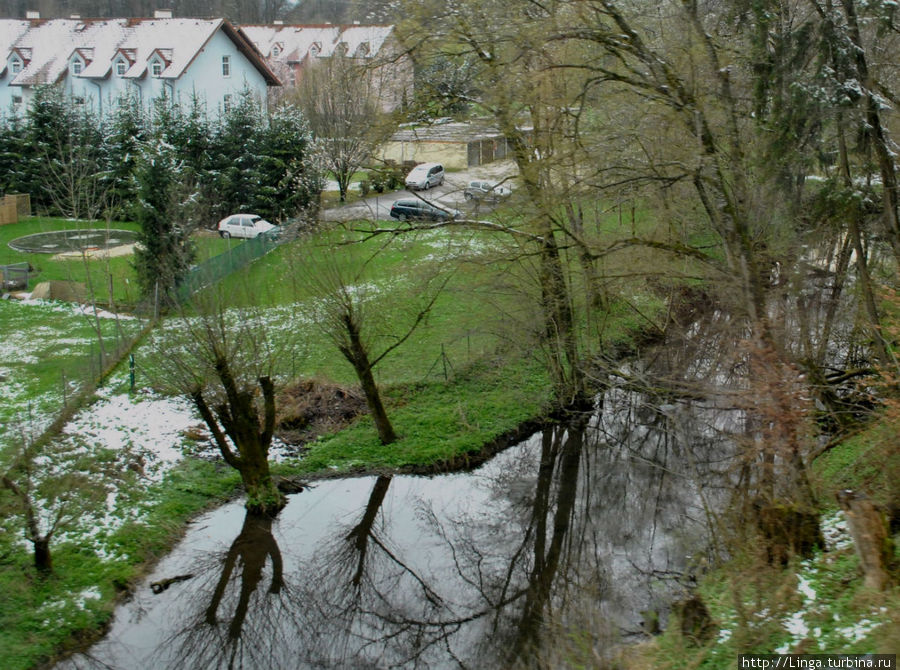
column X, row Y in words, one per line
column 98, row 60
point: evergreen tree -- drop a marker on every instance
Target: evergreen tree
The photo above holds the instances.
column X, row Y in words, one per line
column 13, row 151
column 165, row 251
column 288, row 180
column 235, row 175
column 127, row 130
column 46, row 138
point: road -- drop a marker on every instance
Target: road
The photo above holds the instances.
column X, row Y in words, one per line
column 448, row 195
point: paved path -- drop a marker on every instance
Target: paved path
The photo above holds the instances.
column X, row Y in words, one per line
column 448, row 195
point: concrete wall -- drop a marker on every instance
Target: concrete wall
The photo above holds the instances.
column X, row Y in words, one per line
column 453, row 155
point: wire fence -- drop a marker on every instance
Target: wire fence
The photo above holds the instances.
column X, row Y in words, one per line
column 218, row 267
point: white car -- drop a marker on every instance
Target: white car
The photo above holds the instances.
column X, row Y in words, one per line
column 244, row 225
column 424, row 176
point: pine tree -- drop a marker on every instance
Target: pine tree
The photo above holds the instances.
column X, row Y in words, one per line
column 234, row 155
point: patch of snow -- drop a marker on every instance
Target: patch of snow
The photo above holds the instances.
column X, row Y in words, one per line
column 835, row 532
column 803, row 586
column 150, row 428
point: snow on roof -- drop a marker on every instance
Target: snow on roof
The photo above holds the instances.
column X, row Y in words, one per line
column 53, row 42
column 10, row 31
column 295, row 41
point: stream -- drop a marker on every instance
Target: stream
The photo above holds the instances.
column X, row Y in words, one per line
column 585, row 525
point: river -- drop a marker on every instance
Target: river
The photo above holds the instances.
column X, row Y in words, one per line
column 583, row 527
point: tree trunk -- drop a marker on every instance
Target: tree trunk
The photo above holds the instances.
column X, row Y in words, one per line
column 43, row 561
column 358, row 357
column 870, row 537
column 263, row 496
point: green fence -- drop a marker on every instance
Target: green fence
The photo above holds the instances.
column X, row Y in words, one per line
column 211, row 271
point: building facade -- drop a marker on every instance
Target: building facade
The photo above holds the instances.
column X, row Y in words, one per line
column 290, row 50
column 97, row 61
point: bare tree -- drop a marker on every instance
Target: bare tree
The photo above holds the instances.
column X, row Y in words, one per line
column 51, row 490
column 339, row 99
column 362, row 323
column 224, row 361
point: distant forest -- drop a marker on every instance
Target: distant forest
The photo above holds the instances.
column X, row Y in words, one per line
column 237, row 11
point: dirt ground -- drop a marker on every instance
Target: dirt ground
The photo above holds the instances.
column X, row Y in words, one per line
column 97, row 253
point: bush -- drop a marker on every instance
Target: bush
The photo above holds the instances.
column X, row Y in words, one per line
column 364, row 187
column 378, row 181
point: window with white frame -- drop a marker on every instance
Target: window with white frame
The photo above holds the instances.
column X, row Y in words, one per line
column 156, row 68
column 226, row 103
column 15, row 66
column 77, row 67
column 276, row 51
column 121, row 67
column 226, row 66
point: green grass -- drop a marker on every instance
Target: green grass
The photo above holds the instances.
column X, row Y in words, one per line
column 46, row 356
column 439, row 422
column 40, row 615
column 98, row 275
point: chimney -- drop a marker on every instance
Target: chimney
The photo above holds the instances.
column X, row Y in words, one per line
column 75, row 16
column 162, row 14
column 31, row 14
column 278, row 22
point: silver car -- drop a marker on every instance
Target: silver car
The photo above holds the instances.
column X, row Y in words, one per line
column 424, row 176
column 484, row 190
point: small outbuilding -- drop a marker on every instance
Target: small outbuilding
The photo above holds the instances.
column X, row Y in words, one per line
column 456, row 145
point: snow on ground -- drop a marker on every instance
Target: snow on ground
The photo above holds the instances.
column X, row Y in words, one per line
column 150, row 428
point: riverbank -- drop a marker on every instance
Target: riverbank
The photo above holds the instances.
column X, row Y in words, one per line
column 816, row 605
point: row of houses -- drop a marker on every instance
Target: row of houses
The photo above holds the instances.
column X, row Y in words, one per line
column 96, row 61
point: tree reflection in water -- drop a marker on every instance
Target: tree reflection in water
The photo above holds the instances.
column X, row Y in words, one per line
column 238, row 624
column 466, row 570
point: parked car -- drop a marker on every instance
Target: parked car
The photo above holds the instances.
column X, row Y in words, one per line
column 420, row 210
column 424, row 176
column 484, row 190
column 244, row 225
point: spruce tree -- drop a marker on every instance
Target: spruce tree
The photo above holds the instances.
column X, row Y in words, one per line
column 165, row 252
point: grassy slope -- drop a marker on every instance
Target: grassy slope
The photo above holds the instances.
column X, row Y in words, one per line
column 759, row 609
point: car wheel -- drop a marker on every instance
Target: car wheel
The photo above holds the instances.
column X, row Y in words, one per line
column 427, row 184
column 225, row 234
column 402, row 217
column 468, row 196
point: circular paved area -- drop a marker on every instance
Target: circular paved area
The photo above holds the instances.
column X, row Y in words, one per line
column 60, row 241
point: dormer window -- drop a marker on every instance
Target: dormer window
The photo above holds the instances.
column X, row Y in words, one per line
column 315, row 49
column 156, row 68
column 121, row 68
column 226, row 66
column 276, row 51
column 77, row 67
column 15, row 66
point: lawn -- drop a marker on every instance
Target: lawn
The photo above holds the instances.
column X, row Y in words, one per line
column 102, row 277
